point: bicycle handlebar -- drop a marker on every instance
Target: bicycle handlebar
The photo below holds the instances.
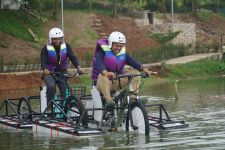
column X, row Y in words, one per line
column 66, row 75
column 131, row 76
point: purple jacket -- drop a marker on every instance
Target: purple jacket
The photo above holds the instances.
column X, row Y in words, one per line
column 111, row 62
column 52, row 59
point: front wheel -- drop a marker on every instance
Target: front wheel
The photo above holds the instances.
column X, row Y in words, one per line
column 137, row 118
column 74, row 109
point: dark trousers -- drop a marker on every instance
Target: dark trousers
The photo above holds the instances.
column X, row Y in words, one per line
column 51, row 87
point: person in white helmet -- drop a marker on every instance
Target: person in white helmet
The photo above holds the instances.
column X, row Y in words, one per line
column 109, row 59
column 54, row 56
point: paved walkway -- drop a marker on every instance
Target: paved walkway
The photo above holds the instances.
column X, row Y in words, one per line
column 189, row 58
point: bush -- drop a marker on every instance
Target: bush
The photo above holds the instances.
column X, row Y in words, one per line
column 151, row 55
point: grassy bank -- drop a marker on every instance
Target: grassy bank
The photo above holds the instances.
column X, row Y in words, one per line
column 16, row 23
column 171, row 73
column 198, row 69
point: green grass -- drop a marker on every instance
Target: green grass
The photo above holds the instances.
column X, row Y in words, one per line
column 97, row 7
column 88, row 35
column 16, row 24
column 205, row 16
column 198, row 69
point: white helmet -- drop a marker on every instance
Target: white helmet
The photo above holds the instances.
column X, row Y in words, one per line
column 55, row 33
column 117, row 37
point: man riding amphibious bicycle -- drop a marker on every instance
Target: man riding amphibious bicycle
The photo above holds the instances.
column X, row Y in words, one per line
column 54, row 56
column 109, row 60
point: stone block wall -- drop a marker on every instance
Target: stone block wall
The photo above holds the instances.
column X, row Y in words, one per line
column 187, row 34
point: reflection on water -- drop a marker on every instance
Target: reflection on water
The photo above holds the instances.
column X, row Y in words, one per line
column 201, row 104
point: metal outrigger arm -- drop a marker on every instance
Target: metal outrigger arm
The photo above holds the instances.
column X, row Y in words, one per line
column 162, row 122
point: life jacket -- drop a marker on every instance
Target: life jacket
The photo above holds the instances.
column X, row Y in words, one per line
column 112, row 62
column 52, row 57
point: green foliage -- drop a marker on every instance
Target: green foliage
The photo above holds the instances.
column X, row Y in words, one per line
column 163, row 38
column 16, row 24
column 88, row 56
column 204, row 15
column 92, row 34
column 151, row 55
column 84, row 80
column 3, row 44
column 1, row 64
column 222, row 67
column 198, row 69
column 87, row 34
column 97, row 6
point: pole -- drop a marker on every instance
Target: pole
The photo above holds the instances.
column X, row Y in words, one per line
column 172, row 13
column 221, row 43
column 222, row 50
column 62, row 16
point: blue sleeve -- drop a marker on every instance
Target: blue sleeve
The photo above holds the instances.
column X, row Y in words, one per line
column 100, row 61
column 133, row 63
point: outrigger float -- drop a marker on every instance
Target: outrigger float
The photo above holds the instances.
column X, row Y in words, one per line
column 15, row 119
column 85, row 115
column 19, row 116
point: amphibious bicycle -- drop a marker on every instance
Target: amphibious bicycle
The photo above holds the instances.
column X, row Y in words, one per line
column 81, row 114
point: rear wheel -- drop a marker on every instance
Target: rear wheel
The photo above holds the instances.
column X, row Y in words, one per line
column 24, row 109
column 137, row 118
column 74, row 109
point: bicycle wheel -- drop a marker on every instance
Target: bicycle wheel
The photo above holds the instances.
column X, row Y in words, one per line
column 24, row 109
column 74, row 109
column 137, row 118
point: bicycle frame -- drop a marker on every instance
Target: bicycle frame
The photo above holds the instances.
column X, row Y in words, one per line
column 122, row 101
column 56, row 107
column 125, row 96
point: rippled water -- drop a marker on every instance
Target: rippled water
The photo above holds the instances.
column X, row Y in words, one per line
column 201, row 104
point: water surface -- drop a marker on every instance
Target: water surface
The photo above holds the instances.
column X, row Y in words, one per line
column 201, row 104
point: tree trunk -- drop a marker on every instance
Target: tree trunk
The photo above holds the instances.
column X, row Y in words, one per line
column 194, row 6
column 164, row 7
column 54, row 14
column 216, row 4
column 114, row 8
column 90, row 6
column 185, row 8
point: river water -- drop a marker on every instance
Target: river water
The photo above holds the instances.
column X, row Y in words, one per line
column 200, row 103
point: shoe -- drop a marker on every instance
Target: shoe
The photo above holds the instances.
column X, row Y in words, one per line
column 109, row 104
column 133, row 98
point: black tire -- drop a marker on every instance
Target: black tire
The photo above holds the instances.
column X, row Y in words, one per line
column 137, row 118
column 75, row 104
column 24, row 109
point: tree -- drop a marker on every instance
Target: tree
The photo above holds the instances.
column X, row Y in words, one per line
column 185, row 8
column 90, row 6
column 164, row 38
column 216, row 5
column 55, row 11
column 195, row 6
column 114, row 8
